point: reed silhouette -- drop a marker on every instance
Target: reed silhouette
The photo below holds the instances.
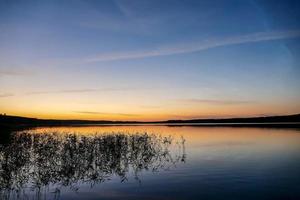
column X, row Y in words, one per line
column 36, row 161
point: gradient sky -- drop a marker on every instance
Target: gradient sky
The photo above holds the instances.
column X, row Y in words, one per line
column 149, row 59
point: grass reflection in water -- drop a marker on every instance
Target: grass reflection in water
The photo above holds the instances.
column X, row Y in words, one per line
column 33, row 161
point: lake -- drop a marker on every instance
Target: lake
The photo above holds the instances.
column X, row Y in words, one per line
column 150, row 162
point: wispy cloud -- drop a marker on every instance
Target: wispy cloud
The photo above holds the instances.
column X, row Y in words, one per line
column 216, row 102
column 6, row 95
column 13, row 72
column 150, row 107
column 123, row 8
column 79, row 91
column 197, row 46
column 103, row 113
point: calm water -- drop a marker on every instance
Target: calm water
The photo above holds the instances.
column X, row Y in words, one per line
column 150, row 162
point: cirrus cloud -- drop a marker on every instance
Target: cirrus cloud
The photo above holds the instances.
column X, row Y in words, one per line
column 216, row 102
column 196, row 46
column 6, row 95
column 104, row 113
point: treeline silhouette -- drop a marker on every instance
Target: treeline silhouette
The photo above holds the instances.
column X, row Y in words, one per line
column 267, row 119
column 285, row 120
column 36, row 161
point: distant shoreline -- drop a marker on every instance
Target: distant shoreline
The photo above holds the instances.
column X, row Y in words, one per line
column 271, row 121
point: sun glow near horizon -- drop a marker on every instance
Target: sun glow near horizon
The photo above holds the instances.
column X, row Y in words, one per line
column 49, row 108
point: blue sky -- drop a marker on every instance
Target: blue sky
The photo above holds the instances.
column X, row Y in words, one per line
column 126, row 59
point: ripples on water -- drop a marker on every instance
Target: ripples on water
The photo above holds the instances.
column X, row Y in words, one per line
column 150, row 162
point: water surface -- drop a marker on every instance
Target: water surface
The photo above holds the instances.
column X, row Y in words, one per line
column 150, row 162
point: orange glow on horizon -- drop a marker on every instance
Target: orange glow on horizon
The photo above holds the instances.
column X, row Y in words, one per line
column 68, row 107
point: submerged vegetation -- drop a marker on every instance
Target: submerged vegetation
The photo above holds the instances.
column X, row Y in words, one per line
column 33, row 161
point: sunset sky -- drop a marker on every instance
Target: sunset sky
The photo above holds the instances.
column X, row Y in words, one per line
column 149, row 59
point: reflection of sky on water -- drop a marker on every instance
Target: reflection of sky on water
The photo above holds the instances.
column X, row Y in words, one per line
column 220, row 163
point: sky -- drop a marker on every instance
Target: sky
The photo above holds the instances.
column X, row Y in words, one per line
column 149, row 59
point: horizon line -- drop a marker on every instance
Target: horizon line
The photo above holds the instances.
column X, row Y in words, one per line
column 159, row 121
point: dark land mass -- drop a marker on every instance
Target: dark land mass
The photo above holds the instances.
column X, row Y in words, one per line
column 270, row 121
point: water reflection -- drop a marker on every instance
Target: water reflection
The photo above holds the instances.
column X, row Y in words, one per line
column 223, row 163
column 32, row 162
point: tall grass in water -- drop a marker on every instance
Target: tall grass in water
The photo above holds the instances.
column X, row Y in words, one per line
column 36, row 161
